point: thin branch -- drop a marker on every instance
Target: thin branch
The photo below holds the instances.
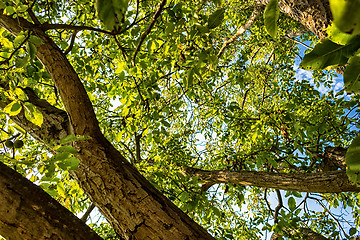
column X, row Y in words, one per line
column 278, row 207
column 242, row 29
column 32, row 15
column 298, row 42
column 72, row 41
column 87, row 213
column 137, row 147
column 48, row 26
column 147, row 31
column 131, row 153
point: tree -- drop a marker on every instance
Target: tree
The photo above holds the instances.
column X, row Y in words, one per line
column 116, row 100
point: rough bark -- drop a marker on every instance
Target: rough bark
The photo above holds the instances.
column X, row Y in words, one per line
column 27, row 212
column 56, row 123
column 128, row 201
column 306, row 234
column 319, row 182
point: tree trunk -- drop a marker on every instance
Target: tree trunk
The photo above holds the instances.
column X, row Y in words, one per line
column 27, row 212
column 133, row 206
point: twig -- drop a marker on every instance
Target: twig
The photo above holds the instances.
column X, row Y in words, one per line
column 87, row 213
column 16, row 49
column 72, row 41
column 131, row 153
column 137, row 147
column 147, row 31
column 242, row 29
column 278, row 207
column 48, row 26
column 298, row 42
column 32, row 15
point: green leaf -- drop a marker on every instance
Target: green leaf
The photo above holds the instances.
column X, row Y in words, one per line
column 352, row 231
column 70, row 163
column 329, row 54
column 9, row 10
column 31, row 50
column 111, row 12
column 67, row 148
column 352, row 158
column 352, row 74
column 346, row 15
column 353, row 161
column 216, row 18
column 35, row 39
column 337, row 36
column 33, row 114
column 13, row 108
column 72, row 138
column 271, row 15
column 61, row 156
column 20, row 94
column 189, row 78
column 19, row 39
column 169, row 28
column 292, row 204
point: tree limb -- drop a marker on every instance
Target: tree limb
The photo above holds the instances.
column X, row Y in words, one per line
column 28, row 212
column 87, row 213
column 242, row 29
column 320, row 182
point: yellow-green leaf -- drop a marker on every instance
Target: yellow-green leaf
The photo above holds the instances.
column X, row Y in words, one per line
column 33, row 114
column 346, row 15
column 13, row 108
column 271, row 15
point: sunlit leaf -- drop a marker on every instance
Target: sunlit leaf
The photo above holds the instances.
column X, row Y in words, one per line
column 352, row 74
column 353, row 161
column 13, row 108
column 111, row 12
column 329, row 54
column 271, row 16
column 346, row 15
column 292, row 204
column 337, row 36
column 33, row 114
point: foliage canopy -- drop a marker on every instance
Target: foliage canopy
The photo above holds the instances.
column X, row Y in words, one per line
column 174, row 95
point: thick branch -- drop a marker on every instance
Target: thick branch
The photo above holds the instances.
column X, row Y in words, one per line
column 306, row 233
column 27, row 212
column 134, row 207
column 320, row 182
column 242, row 29
column 55, row 125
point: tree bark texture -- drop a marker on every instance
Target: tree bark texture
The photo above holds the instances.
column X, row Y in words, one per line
column 128, row 201
column 27, row 212
column 319, row 182
column 307, row 234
